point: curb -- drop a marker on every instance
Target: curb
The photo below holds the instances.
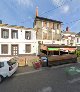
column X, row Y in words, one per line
column 44, row 68
column 24, row 73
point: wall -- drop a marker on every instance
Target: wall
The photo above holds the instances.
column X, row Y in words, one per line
column 48, row 29
column 21, row 41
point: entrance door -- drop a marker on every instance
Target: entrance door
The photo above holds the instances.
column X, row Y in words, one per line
column 14, row 50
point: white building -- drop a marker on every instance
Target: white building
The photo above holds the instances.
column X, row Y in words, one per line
column 77, row 40
column 68, row 38
column 17, row 40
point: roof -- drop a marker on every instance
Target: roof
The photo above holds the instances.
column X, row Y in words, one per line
column 68, row 32
column 42, row 18
column 59, row 46
column 14, row 26
column 78, row 34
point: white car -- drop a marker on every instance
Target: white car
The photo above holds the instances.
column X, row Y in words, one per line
column 7, row 67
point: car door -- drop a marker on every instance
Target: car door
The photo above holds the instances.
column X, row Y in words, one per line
column 3, row 69
column 12, row 67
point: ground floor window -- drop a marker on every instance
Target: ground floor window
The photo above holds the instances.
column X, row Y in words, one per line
column 27, row 48
column 4, row 49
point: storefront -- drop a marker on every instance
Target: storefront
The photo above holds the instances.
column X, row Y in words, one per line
column 58, row 49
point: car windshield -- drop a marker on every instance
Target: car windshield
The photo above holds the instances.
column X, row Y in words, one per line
column 11, row 62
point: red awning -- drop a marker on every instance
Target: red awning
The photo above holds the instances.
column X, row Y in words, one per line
column 68, row 49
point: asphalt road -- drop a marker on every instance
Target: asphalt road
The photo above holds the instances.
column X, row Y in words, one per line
column 52, row 79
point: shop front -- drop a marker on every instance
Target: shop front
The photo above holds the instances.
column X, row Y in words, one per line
column 58, row 49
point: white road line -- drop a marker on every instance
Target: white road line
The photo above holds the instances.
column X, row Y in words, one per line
column 59, row 66
column 74, row 80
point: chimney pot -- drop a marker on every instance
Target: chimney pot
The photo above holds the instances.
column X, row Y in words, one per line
column 67, row 29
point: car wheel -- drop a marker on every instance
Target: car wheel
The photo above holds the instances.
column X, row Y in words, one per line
column 1, row 78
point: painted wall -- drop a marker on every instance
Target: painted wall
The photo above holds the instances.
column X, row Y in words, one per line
column 21, row 41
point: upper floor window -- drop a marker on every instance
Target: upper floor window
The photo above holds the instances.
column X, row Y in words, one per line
column 58, row 26
column 45, row 36
column 44, row 24
column 14, row 34
column 67, row 42
column 51, row 25
column 4, row 49
column 28, row 35
column 77, row 40
column 4, row 33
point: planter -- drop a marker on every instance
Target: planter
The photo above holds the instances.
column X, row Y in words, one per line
column 36, row 65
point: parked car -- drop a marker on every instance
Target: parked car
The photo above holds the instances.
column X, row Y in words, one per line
column 7, row 67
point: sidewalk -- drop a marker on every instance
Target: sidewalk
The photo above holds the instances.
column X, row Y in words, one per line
column 28, row 69
column 25, row 69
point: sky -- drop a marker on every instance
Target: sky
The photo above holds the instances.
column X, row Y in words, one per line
column 22, row 12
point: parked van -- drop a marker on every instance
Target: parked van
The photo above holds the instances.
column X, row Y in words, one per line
column 8, row 65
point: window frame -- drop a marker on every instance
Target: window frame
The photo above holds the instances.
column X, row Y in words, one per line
column 14, row 31
column 77, row 40
column 28, row 34
column 3, row 50
column 6, row 36
column 28, row 49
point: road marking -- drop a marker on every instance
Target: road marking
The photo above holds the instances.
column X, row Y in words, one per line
column 60, row 66
column 74, row 80
column 24, row 73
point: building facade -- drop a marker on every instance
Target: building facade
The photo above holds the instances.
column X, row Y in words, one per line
column 17, row 40
column 47, row 30
column 77, row 40
column 68, row 38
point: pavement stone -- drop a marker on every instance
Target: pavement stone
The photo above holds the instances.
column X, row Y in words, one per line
column 25, row 69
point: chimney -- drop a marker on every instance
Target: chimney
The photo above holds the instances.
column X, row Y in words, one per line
column 36, row 11
column 67, row 29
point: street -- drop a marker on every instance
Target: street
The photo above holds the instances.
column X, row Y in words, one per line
column 53, row 79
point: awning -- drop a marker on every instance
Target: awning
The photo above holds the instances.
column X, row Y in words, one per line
column 68, row 49
column 72, row 49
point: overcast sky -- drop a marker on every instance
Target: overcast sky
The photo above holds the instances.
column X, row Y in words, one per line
column 22, row 12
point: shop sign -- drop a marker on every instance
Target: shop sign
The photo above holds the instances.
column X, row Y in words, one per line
column 53, row 49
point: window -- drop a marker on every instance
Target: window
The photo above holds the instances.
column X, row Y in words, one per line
column 57, row 26
column 28, row 35
column 45, row 36
column 1, row 64
column 77, row 40
column 67, row 42
column 51, row 25
column 27, row 48
column 14, row 34
column 44, row 24
column 4, row 49
column 57, row 39
column 4, row 33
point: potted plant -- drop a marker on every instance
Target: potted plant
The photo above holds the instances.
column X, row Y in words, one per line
column 36, row 64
